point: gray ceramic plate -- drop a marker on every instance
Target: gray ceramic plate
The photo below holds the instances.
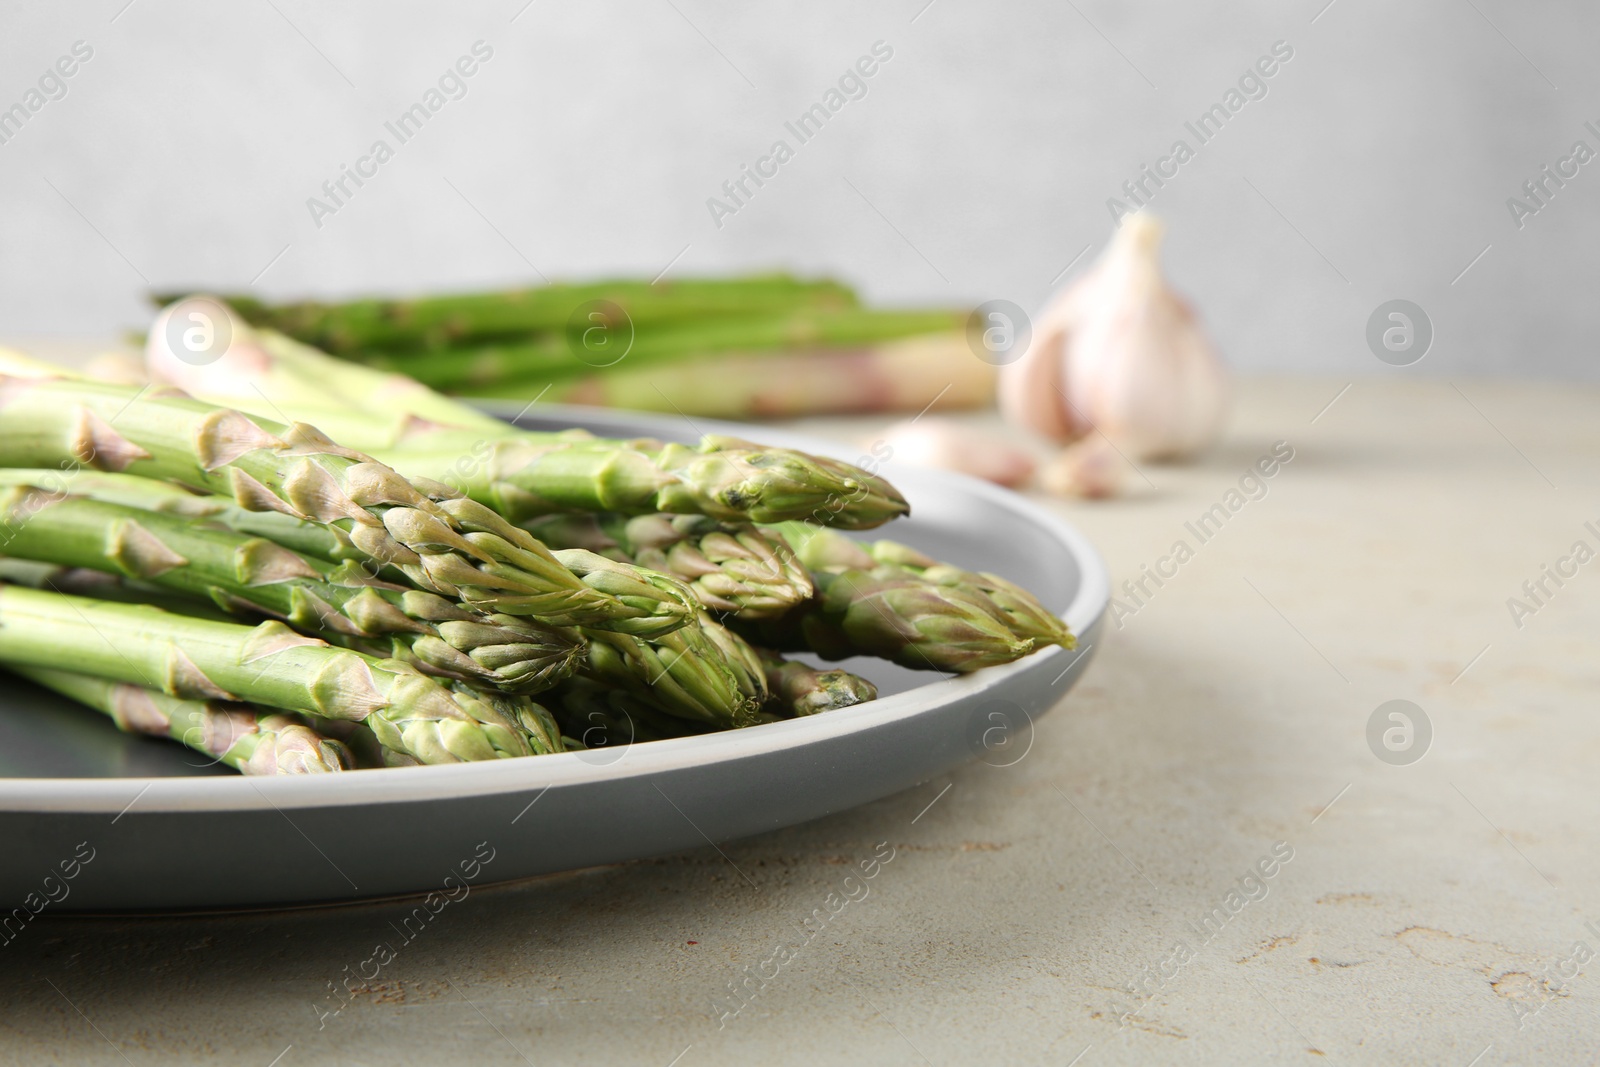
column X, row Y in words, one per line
column 161, row 831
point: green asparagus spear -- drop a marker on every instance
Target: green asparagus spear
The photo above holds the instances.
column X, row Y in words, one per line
column 799, row 689
column 433, row 322
column 722, row 477
column 98, row 585
column 822, row 549
column 740, row 560
column 250, row 740
column 418, row 719
column 300, row 535
column 732, row 567
column 449, row 545
column 365, row 748
column 532, row 474
column 897, row 616
column 257, row 576
column 1027, row 616
column 700, row 672
column 929, row 372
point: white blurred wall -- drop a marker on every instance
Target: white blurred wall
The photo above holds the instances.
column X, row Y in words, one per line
column 977, row 165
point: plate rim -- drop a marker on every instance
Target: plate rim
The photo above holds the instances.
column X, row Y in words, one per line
column 88, row 796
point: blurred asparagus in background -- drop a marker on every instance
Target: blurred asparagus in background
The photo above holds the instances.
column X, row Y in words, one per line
column 432, row 323
column 756, row 346
column 656, row 345
column 934, row 372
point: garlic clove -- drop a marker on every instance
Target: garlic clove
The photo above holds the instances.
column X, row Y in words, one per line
column 1089, row 468
column 1032, row 391
column 931, row 441
column 1132, row 360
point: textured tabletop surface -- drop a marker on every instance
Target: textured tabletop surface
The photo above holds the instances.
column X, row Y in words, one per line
column 1217, row 850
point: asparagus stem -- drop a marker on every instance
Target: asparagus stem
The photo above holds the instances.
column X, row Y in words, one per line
column 98, row 585
column 251, row 740
column 418, row 719
column 439, row 321
column 932, row 372
column 251, row 574
column 731, row 567
column 299, row 535
column 450, row 545
column 724, row 478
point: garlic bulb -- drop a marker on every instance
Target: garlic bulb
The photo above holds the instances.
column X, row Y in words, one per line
column 1117, row 351
column 931, row 441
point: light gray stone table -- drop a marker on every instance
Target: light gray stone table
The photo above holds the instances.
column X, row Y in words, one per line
column 1427, row 913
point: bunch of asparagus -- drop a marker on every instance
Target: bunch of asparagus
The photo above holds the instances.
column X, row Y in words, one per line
column 733, row 348
column 430, row 585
